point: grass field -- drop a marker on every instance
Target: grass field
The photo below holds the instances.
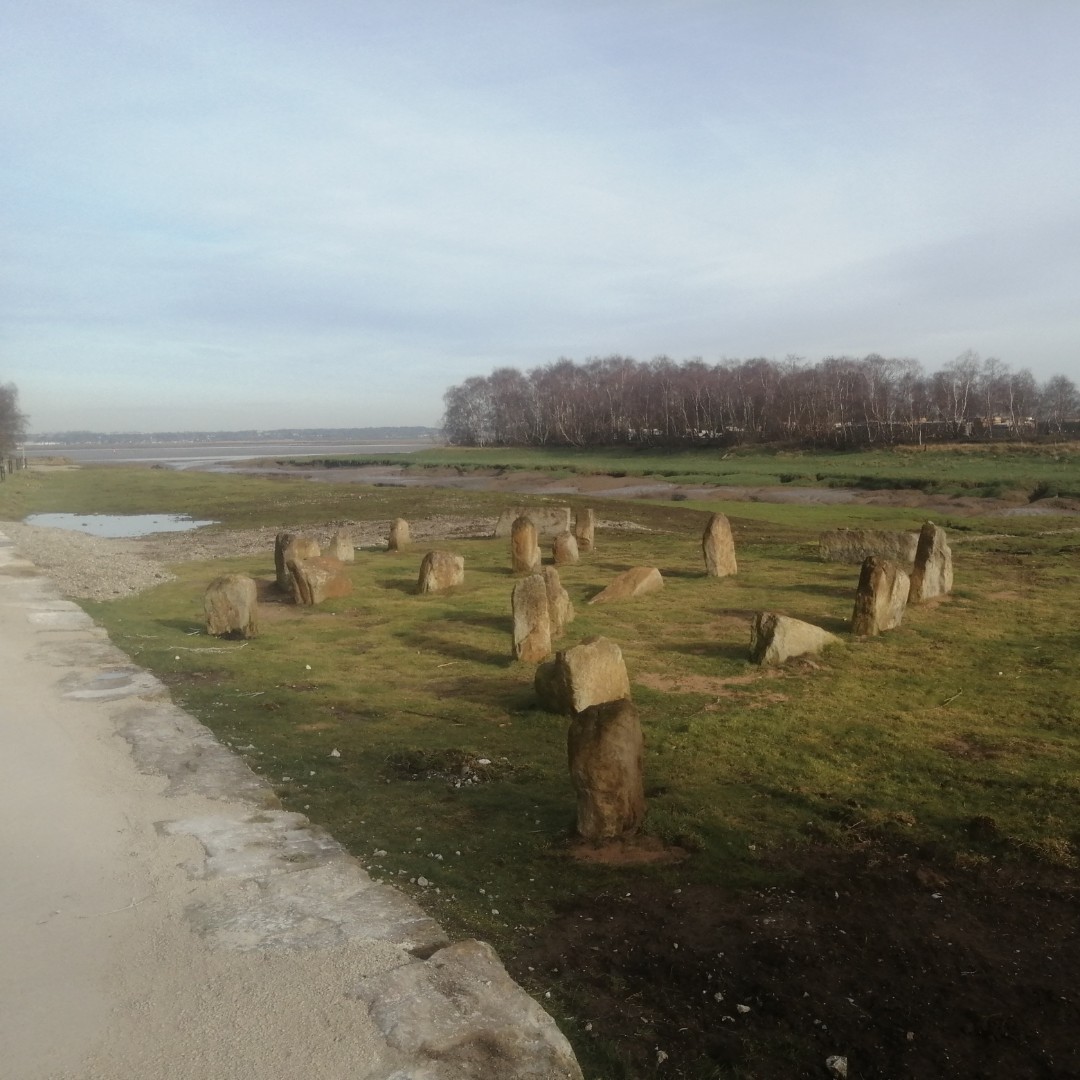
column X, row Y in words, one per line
column 403, row 725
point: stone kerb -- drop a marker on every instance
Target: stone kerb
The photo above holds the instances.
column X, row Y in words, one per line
column 776, row 638
column 638, row 581
column 590, row 673
column 548, row 520
column 525, row 555
column 318, row 579
column 881, row 597
column 531, row 619
column 718, row 547
column 439, row 571
column 606, row 751
column 231, row 606
column 933, row 573
column 585, row 530
column 855, row 545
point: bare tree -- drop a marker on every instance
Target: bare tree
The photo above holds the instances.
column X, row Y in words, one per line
column 12, row 420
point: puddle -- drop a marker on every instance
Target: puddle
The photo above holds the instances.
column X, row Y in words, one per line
column 118, row 526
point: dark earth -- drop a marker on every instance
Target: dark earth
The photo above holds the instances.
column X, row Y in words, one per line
column 903, row 967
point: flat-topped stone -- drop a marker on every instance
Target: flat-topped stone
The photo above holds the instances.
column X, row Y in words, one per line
column 549, row 520
column 637, row 581
column 776, row 638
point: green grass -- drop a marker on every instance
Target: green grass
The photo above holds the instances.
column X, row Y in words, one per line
column 985, row 469
column 970, row 710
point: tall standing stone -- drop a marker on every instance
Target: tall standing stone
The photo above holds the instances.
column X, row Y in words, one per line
column 881, row 597
column 560, row 609
column 524, row 547
column 231, row 606
column 532, row 620
column 290, row 547
column 718, row 547
column 341, row 547
column 606, row 751
column 564, row 549
column 933, row 574
column 399, row 538
column 585, row 530
column 439, row 571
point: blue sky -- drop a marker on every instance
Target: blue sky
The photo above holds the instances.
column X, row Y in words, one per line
column 325, row 213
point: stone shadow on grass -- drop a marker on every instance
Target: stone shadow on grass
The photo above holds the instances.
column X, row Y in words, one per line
column 459, row 650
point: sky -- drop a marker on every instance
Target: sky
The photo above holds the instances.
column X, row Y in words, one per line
column 239, row 215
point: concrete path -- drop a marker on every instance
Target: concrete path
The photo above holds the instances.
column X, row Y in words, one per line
column 163, row 918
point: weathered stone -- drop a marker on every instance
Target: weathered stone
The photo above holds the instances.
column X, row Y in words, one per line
column 630, row 583
column 585, row 530
column 549, row 520
column 606, row 750
column 933, row 574
column 564, row 549
column 399, row 538
column 524, row 548
column 440, row 570
column 775, row 638
column 532, row 622
column 341, row 547
column 231, row 606
column 291, row 546
column 855, row 545
column 590, row 673
column 318, row 579
column 718, row 547
column 462, row 1016
column 560, row 609
column 881, row 597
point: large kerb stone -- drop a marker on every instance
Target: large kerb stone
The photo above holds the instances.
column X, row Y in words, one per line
column 549, row 520
column 590, row 673
column 776, row 638
column 231, row 606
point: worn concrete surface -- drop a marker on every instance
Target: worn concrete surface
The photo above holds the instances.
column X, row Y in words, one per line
column 162, row 917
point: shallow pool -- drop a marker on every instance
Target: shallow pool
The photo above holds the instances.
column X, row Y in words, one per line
column 118, row 525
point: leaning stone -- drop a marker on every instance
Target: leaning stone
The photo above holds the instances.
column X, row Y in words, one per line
column 606, row 749
column 459, row 1016
column 318, row 579
column 399, row 538
column 630, row 583
column 564, row 549
column 560, row 609
column 439, row 571
column 524, row 548
column 549, row 520
column 341, row 547
column 532, row 623
column 933, row 575
column 290, row 547
column 585, row 530
column 231, row 606
column 881, row 597
column 855, row 545
column 718, row 547
column 776, row 638
column 590, row 673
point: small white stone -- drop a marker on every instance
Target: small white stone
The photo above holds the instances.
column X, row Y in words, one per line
column 742, row 1008
column 335, row 753
column 423, row 882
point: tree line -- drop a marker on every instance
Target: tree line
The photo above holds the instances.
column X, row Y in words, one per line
column 839, row 401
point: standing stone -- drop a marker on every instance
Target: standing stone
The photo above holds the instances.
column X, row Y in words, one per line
column 881, row 597
column 630, row 583
column 560, row 609
column 231, row 606
column 775, row 638
column 606, row 751
column 399, row 538
column 585, row 530
column 524, row 548
column 341, row 547
column 318, row 579
column 587, row 674
column 549, row 520
column 439, row 571
column 564, row 549
column 290, row 547
column 718, row 547
column 532, row 621
column 932, row 575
